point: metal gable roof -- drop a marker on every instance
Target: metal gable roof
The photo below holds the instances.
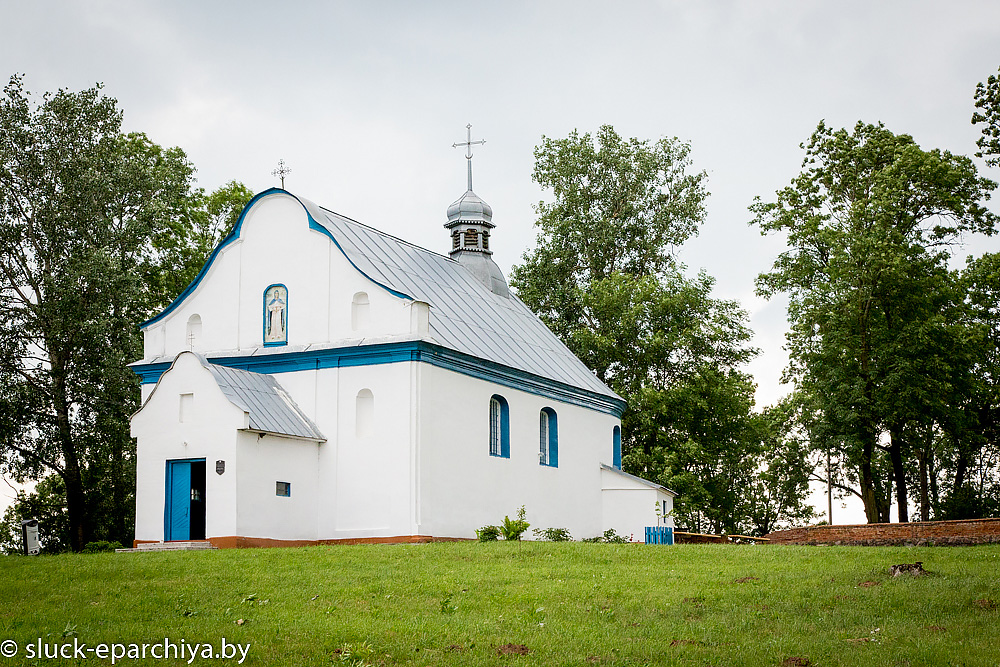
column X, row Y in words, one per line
column 270, row 407
column 646, row 482
column 466, row 316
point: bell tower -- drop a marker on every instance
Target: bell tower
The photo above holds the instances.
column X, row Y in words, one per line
column 470, row 221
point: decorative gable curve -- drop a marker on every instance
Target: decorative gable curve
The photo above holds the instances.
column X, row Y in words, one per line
column 234, row 234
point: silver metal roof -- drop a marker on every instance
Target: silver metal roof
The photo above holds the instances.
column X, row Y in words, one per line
column 466, row 316
column 469, row 208
column 653, row 485
column 270, row 407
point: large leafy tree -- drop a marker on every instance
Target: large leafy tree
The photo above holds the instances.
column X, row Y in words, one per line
column 604, row 278
column 874, row 344
column 90, row 219
column 987, row 114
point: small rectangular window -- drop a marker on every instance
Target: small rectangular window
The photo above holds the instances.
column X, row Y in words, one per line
column 283, row 489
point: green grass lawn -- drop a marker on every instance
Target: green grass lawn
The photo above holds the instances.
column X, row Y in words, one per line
column 567, row 603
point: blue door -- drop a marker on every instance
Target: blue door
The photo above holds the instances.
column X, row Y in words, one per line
column 177, row 513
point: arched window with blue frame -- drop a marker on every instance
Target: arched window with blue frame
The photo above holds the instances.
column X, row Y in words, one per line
column 499, row 427
column 548, row 438
column 616, row 444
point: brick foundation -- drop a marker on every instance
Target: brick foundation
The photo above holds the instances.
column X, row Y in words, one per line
column 239, row 542
column 916, row 533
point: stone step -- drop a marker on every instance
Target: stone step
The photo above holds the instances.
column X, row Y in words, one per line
column 180, row 545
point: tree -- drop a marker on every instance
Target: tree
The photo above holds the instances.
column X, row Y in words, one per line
column 777, row 496
column 81, row 206
column 47, row 504
column 987, row 99
column 968, row 465
column 182, row 249
column 868, row 222
column 620, row 206
column 604, row 278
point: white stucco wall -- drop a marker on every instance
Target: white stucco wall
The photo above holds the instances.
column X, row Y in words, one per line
column 276, row 246
column 463, row 488
column 260, row 463
column 210, row 434
column 628, row 506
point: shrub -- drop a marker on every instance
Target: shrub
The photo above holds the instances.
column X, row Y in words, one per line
column 101, row 546
column 488, row 533
column 609, row 537
column 513, row 529
column 552, row 534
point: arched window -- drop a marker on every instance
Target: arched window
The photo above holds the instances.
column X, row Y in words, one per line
column 364, row 422
column 360, row 312
column 548, row 438
column 499, row 427
column 192, row 334
column 616, row 447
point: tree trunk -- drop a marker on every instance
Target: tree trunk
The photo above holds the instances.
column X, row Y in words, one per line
column 899, row 472
column 75, row 498
column 868, row 495
column 925, row 506
column 932, row 474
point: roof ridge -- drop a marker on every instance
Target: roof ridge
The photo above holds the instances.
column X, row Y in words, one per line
column 387, row 235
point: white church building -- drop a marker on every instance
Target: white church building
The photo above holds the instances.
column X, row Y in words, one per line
column 322, row 381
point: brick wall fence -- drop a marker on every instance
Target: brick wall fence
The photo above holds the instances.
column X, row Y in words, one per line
column 918, row 533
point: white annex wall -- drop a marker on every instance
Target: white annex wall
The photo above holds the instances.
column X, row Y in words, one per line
column 630, row 505
column 261, row 461
column 209, row 432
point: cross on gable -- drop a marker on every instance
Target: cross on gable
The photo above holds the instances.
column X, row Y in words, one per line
column 281, row 171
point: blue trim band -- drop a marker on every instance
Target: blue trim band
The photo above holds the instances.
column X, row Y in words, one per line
column 418, row 350
column 234, row 234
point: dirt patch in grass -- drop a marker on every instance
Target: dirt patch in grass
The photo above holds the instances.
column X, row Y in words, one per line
column 869, row 584
column 457, row 648
column 696, row 601
column 936, row 628
column 796, row 661
column 986, row 603
column 513, row 649
column 686, row 642
column 743, row 580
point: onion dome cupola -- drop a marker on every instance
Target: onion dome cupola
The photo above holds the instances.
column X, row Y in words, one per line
column 470, row 220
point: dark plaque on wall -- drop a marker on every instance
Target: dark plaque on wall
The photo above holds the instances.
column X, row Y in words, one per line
column 220, row 467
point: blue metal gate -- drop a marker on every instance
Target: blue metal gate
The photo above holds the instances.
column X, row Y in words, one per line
column 659, row 535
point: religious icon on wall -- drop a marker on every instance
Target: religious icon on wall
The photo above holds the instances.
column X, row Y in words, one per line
column 275, row 315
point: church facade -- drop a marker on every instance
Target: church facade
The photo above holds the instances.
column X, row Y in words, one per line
column 323, row 381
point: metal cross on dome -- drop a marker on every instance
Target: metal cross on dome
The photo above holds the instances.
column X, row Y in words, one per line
column 281, row 171
column 469, row 143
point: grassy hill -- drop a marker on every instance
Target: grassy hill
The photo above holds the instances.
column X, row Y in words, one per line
column 509, row 604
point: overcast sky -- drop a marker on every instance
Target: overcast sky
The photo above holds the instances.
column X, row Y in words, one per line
column 364, row 100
